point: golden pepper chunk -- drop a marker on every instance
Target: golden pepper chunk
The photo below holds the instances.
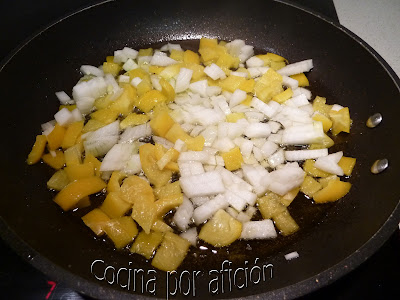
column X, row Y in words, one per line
column 96, row 220
column 114, row 206
column 221, row 230
column 335, row 190
column 171, row 253
column 37, row 150
column 69, row 196
column 121, row 231
column 57, row 161
column 56, row 137
column 58, row 181
column 149, row 165
column 146, row 243
column 233, row 159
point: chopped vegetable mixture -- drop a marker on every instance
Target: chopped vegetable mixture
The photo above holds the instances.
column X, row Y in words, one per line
column 210, row 137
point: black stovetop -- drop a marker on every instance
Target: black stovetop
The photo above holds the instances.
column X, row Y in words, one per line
column 377, row 278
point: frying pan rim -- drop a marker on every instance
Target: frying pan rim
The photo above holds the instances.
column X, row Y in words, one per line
column 298, row 289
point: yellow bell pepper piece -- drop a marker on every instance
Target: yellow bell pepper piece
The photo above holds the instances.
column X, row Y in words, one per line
column 150, row 168
column 233, row 159
column 69, row 196
column 57, row 161
column 171, row 253
column 96, row 220
column 191, row 57
column 114, row 206
column 80, row 171
column 347, row 164
column 37, row 150
column 150, row 99
column 121, row 231
column 341, row 120
column 58, row 181
column 310, row 186
column 302, row 79
column 282, row 97
column 56, row 137
column 146, row 244
column 335, row 190
column 112, row 68
column 72, row 133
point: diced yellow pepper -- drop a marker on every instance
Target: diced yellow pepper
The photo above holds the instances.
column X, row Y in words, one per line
column 247, row 85
column 92, row 125
column 160, row 226
column 270, row 205
column 285, row 223
column 289, row 197
column 247, row 101
column 164, row 205
column 114, row 206
column 121, row 231
column 206, row 42
column 170, row 71
column 70, row 107
column 173, row 166
column 105, row 115
column 123, row 105
column 138, row 72
column 167, row 90
column 96, row 220
column 73, row 155
column 146, row 244
column 311, row 170
column 168, row 190
column 111, row 68
column 57, row 161
column 69, row 196
column 161, row 123
column 234, row 117
column 310, row 186
column 177, row 55
column 80, row 171
column 276, row 65
column 135, row 189
column 269, row 85
column 143, row 87
column 110, row 58
column 90, row 159
column 198, row 71
column 146, row 52
column 156, row 69
column 347, row 164
column 325, row 180
column 56, row 136
column 228, row 61
column 196, row 143
column 71, row 135
column 341, row 120
column 302, row 79
column 335, row 190
column 326, row 122
column 233, row 159
column 191, row 57
column 114, row 184
column 208, row 55
column 144, row 213
column 150, row 168
column 326, row 142
column 133, row 120
column 37, row 150
column 282, row 97
column 150, row 99
column 58, row 181
column 319, row 105
column 221, row 230
column 171, row 155
column 232, row 83
column 176, row 132
column 171, row 253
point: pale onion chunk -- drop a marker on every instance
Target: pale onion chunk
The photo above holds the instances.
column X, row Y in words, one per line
column 129, row 65
column 64, row 117
column 257, row 130
column 297, row 68
column 264, row 229
column 254, row 61
column 190, row 235
column 292, row 255
column 201, row 156
column 298, row 155
column 303, row 134
column 183, row 214
column 199, row 87
column 94, row 88
column 268, row 148
column 161, row 60
column 257, row 71
column 91, row 70
column 99, row 142
column 134, row 133
column 290, row 82
column 183, row 80
column 133, row 165
column 303, row 91
column 63, row 98
column 208, row 209
column 277, row 158
column 285, row 179
column 329, row 163
column 117, row 157
column 214, row 72
column 76, row 115
column 136, row 81
column 206, row 184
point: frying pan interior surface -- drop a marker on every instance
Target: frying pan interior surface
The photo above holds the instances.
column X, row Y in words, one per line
column 334, row 239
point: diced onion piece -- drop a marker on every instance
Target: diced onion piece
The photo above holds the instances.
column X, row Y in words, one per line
column 129, row 65
column 63, row 97
column 264, row 229
column 133, row 133
column 237, row 97
column 199, row 87
column 297, row 155
column 214, row 72
column 290, row 82
column 303, row 134
column 292, row 255
column 94, row 88
column 190, row 235
column 162, row 60
column 206, row 184
column 183, row 214
column 117, row 157
column 297, row 68
column 254, row 62
column 257, row 130
column 208, row 209
column 329, row 163
column 285, row 179
column 64, row 117
column 135, row 81
column 183, row 80
column 99, row 142
column 91, row 70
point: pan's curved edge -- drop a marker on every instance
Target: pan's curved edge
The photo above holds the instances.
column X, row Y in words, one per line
column 299, row 289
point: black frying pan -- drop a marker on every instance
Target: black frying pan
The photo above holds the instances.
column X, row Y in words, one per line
column 334, row 239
